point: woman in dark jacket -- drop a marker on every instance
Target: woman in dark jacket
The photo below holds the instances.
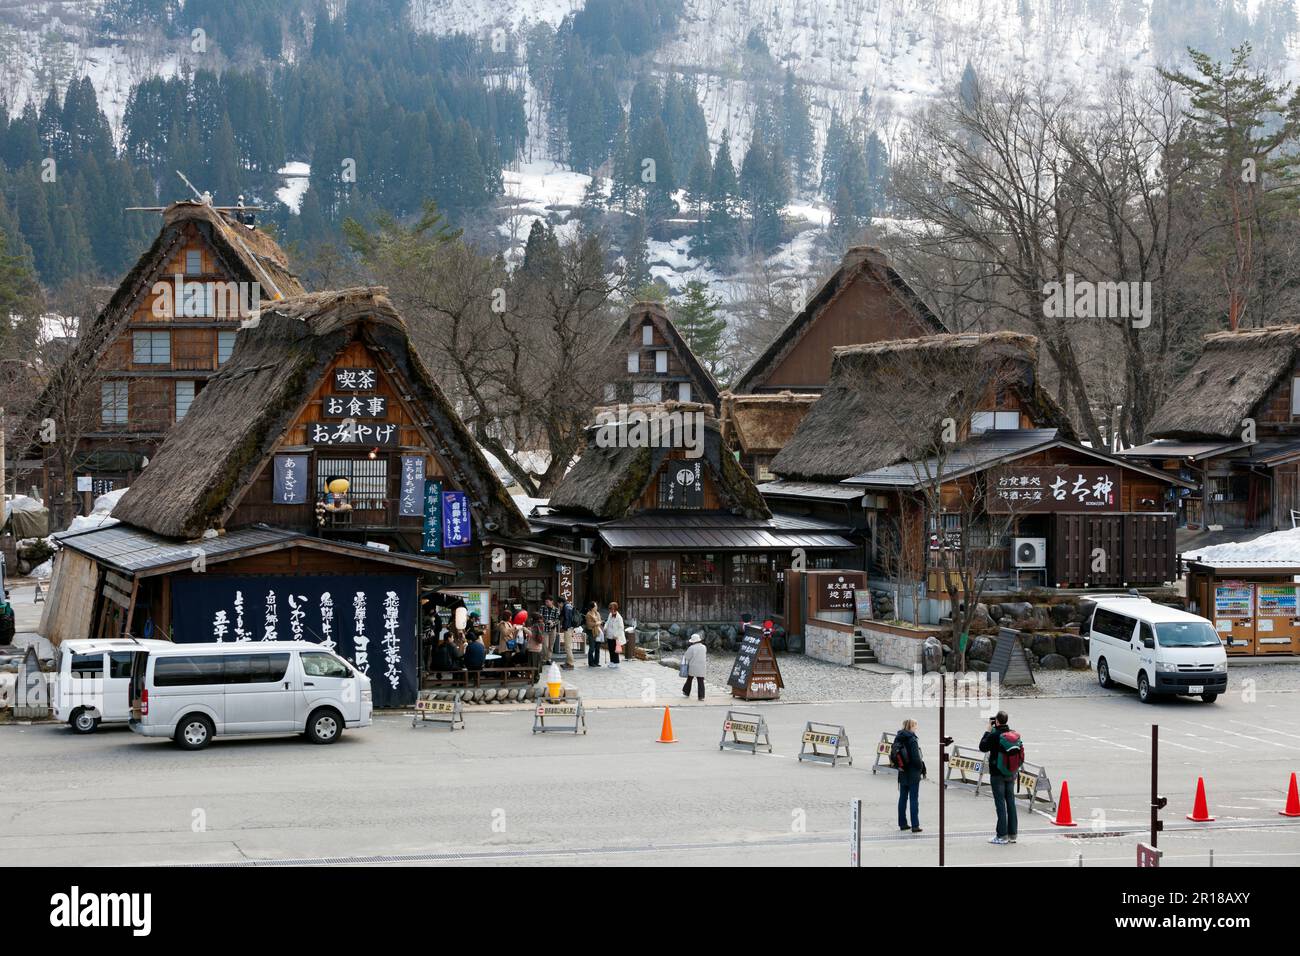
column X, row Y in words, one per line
column 908, row 747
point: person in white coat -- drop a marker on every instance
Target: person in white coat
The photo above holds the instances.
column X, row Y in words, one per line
column 615, row 633
column 693, row 665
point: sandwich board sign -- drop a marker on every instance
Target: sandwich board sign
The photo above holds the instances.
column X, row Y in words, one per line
column 755, row 674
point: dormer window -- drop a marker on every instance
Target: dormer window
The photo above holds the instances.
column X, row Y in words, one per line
column 1000, row 421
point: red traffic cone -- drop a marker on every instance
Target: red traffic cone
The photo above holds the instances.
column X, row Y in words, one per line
column 1292, row 801
column 666, row 732
column 1201, row 809
column 1063, row 816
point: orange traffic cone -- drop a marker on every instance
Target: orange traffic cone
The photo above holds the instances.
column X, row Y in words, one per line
column 1063, row 816
column 1292, row 801
column 666, row 732
column 1201, row 809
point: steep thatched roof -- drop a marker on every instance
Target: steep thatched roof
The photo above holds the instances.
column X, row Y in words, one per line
column 859, row 263
column 1233, row 375
column 236, row 421
column 886, row 401
column 248, row 255
column 706, row 388
column 607, row 480
column 763, row 424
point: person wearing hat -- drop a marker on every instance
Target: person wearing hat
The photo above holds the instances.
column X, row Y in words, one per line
column 693, row 662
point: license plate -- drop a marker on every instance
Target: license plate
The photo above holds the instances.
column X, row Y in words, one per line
column 1196, row 689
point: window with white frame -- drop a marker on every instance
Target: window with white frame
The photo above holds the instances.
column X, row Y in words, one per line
column 113, row 403
column 647, row 334
column 683, row 391
column 193, row 262
column 184, row 396
column 225, row 346
column 1295, row 396
column 644, row 392
column 661, row 361
column 634, row 361
column 611, row 393
column 994, row 421
column 151, row 348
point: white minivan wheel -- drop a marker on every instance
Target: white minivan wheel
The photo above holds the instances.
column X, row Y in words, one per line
column 324, row 726
column 1145, row 693
column 83, row 721
column 1103, row 674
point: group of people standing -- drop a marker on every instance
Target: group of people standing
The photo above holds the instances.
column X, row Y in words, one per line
column 1006, row 754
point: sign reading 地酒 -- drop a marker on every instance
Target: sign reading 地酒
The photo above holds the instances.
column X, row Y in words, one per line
column 835, row 591
column 1055, row 488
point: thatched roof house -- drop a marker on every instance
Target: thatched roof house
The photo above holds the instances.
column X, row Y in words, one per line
column 863, row 300
column 1237, row 373
column 196, row 480
column 759, row 426
column 887, row 401
column 655, row 363
column 609, row 478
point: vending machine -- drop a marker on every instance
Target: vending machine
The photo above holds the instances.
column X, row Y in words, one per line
column 1277, row 620
column 1234, row 616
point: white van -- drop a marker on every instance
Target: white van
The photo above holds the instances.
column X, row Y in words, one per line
column 193, row 692
column 1157, row 649
column 91, row 681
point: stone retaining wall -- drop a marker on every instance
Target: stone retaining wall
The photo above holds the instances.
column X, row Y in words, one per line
column 894, row 650
column 829, row 641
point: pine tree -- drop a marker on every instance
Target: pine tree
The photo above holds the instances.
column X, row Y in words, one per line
column 969, row 88
column 796, row 130
column 722, row 227
column 697, row 192
column 636, row 256
column 658, row 177
column 699, row 320
column 20, row 292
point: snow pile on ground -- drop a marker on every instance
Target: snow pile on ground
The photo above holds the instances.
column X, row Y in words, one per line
column 43, row 570
column 1274, row 548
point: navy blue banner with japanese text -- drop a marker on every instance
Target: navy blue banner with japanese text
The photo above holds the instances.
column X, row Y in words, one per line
column 368, row 619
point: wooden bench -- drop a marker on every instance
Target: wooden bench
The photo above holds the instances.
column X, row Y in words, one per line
column 486, row 677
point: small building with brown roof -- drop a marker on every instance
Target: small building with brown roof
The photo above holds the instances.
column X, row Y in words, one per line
column 655, row 363
column 1231, row 425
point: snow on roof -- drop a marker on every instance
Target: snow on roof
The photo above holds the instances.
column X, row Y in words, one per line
column 1279, row 548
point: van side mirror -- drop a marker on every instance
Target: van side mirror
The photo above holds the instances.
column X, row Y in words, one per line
column 1148, row 642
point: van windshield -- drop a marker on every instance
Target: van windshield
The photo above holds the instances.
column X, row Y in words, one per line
column 1187, row 634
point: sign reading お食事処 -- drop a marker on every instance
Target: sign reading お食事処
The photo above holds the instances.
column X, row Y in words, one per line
column 1055, row 488
column 367, row 619
column 289, row 485
column 355, row 379
column 835, row 592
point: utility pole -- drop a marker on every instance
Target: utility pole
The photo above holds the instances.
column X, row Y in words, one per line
column 2, row 464
column 1157, row 802
column 944, row 742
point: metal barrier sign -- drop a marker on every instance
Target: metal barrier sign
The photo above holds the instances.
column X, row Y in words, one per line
column 1032, row 779
column 566, row 715
column 1148, row 855
column 431, row 711
column 970, row 767
column 882, row 752
column 819, row 736
column 747, row 732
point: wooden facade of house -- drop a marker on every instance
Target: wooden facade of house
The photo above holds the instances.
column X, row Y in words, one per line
column 329, row 386
column 864, row 300
column 875, row 441
column 679, row 537
column 167, row 329
column 1231, row 425
column 655, row 364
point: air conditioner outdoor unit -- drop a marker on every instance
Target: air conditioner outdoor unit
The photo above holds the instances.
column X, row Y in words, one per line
column 588, row 545
column 1030, row 552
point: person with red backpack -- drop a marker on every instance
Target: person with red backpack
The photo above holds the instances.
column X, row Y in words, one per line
column 905, row 757
column 1006, row 754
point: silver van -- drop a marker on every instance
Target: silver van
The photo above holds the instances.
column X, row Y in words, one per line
column 194, row 692
column 92, row 679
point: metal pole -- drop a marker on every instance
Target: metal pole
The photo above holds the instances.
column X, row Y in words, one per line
column 943, row 763
column 855, row 845
column 1157, row 802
